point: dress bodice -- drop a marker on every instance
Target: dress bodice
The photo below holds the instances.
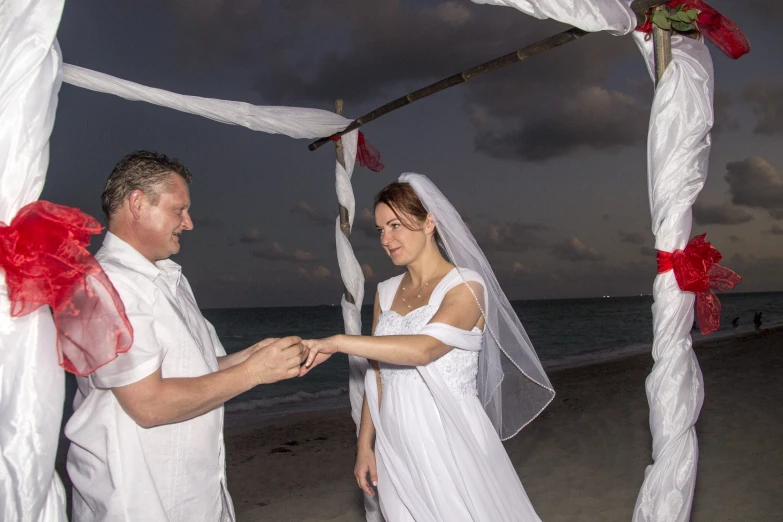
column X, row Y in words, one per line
column 458, row 367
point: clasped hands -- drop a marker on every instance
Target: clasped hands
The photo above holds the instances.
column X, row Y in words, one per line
column 274, row 359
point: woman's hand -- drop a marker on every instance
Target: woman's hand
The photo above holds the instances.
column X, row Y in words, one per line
column 365, row 464
column 318, row 350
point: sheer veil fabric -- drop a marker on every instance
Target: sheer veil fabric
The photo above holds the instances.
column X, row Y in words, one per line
column 512, row 385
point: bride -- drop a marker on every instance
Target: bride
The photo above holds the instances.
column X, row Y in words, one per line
column 452, row 371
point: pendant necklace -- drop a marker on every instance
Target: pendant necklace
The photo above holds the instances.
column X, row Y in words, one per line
column 418, row 296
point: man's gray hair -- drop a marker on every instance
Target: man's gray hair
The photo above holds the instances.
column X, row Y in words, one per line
column 140, row 170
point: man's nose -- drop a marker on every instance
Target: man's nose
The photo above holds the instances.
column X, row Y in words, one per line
column 187, row 223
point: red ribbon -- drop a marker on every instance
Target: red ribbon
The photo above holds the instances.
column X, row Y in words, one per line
column 43, row 254
column 367, row 155
column 696, row 270
column 718, row 29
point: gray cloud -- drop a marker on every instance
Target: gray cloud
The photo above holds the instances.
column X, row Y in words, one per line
column 251, row 235
column 278, row 253
column 766, row 97
column 594, row 118
column 725, row 214
column 312, row 215
column 512, row 237
column 574, row 250
column 634, row 238
column 648, row 251
column 776, row 214
column 755, row 183
column 724, row 121
column 208, row 222
column 775, row 230
column 735, row 239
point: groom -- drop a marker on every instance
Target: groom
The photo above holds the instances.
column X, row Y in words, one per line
column 147, row 430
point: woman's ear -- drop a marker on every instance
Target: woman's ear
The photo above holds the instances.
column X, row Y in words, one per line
column 429, row 225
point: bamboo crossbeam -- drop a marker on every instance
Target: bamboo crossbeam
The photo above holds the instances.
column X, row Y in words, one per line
column 640, row 7
column 464, row 76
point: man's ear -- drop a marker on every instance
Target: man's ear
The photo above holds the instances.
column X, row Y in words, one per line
column 136, row 202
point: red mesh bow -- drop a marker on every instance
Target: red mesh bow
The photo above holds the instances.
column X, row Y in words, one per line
column 718, row 29
column 367, row 155
column 43, row 254
column 696, row 270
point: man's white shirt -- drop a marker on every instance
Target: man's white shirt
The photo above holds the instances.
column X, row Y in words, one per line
column 119, row 470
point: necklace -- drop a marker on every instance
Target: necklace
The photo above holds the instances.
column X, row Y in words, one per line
column 418, row 295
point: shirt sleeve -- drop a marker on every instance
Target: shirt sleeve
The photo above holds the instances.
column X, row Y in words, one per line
column 219, row 350
column 145, row 355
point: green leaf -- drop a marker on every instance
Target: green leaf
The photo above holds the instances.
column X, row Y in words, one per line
column 683, row 17
column 682, row 26
column 660, row 19
column 693, row 14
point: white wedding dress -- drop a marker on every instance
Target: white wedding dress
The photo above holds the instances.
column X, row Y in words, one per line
column 439, row 458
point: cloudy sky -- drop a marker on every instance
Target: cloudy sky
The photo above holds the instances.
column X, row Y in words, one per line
column 545, row 159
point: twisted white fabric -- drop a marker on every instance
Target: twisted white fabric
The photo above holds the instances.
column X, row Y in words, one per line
column 613, row 16
column 295, row 122
column 32, row 385
column 678, row 151
column 353, row 279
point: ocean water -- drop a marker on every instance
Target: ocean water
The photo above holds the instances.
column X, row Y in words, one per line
column 564, row 332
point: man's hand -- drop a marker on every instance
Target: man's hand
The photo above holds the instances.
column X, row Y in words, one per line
column 275, row 361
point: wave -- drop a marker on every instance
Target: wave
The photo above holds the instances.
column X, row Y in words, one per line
column 298, row 397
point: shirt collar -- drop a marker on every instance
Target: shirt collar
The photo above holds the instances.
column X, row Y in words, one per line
column 131, row 257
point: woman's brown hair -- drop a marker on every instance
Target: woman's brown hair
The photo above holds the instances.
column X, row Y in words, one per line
column 401, row 198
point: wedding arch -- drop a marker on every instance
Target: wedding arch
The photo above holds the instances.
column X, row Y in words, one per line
column 32, row 378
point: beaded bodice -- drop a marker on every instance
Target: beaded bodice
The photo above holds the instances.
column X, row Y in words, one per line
column 458, row 367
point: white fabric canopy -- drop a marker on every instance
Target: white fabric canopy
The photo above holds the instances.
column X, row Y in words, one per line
column 613, row 16
column 32, row 386
column 295, row 122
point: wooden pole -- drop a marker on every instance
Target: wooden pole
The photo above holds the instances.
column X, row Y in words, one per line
column 662, row 47
column 345, row 224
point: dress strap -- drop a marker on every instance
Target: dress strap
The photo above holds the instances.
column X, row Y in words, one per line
column 387, row 290
column 451, row 280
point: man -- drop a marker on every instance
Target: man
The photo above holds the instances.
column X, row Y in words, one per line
column 147, row 430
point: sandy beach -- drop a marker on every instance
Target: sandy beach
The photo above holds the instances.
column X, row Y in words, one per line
column 582, row 460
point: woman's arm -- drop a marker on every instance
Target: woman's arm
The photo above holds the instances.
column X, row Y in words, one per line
column 459, row 309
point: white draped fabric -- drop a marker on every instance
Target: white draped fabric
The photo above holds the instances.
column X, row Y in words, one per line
column 32, row 385
column 678, row 149
column 295, row 122
column 613, row 16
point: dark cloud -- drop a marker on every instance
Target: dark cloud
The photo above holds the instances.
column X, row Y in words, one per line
column 766, row 97
column 724, row 121
column 725, row 214
column 755, row 183
column 776, row 214
column 634, row 238
column 574, row 250
column 208, row 222
column 735, row 239
column 312, row 215
column 364, row 222
column 512, row 237
column 593, row 118
column 775, row 230
column 251, row 235
column 278, row 253
column 319, row 272
column 648, row 251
